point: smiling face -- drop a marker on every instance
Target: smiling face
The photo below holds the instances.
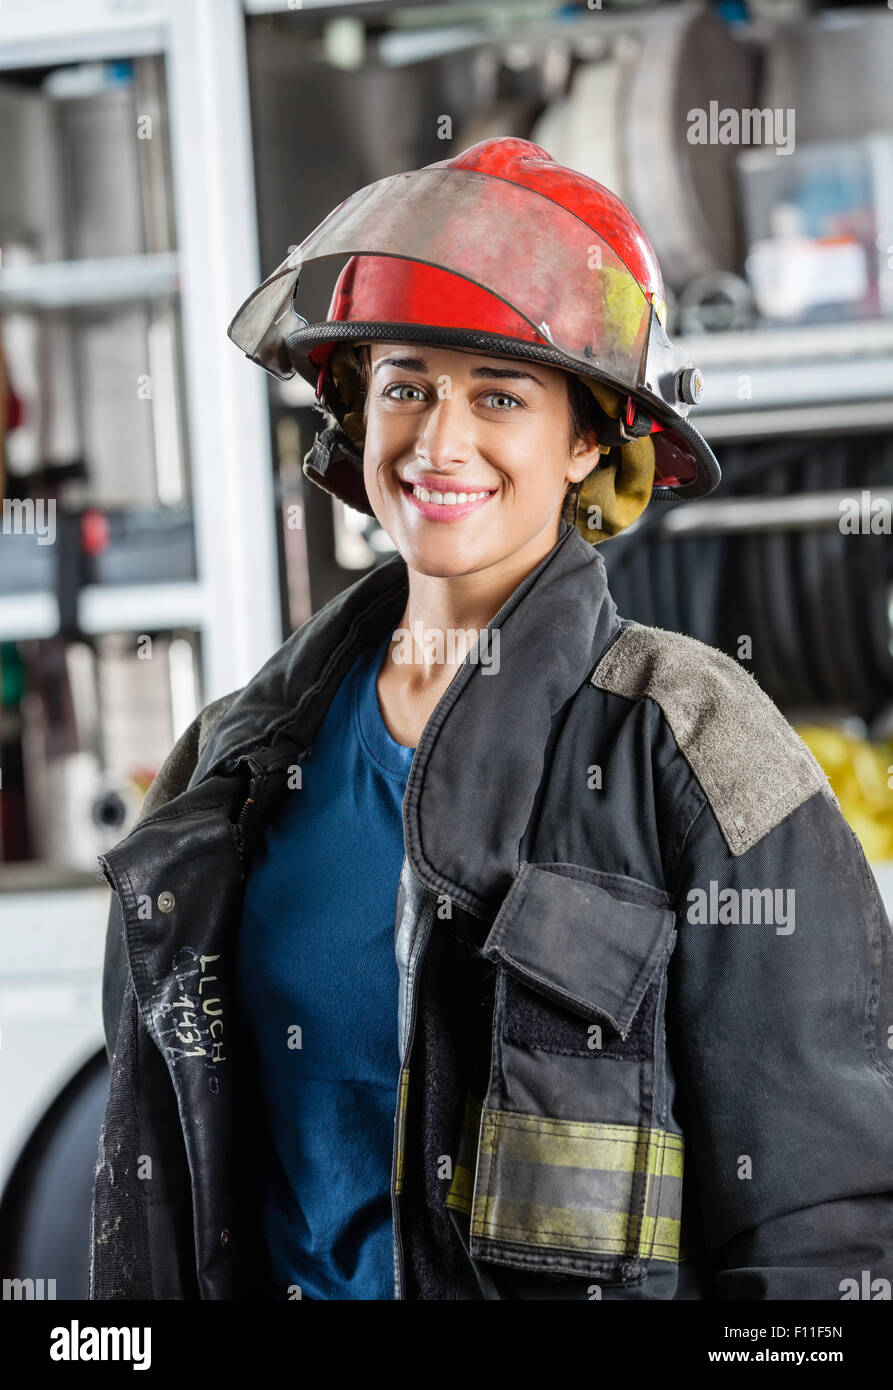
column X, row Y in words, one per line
column 443, row 422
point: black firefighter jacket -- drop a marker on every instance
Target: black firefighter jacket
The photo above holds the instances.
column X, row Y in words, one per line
column 646, row 979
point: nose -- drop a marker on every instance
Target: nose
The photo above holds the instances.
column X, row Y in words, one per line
column 446, row 434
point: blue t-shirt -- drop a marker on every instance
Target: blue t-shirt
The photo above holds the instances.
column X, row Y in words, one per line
column 316, row 952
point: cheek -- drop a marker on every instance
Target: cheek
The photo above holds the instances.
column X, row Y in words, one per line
column 384, row 448
column 533, row 455
column 377, row 448
column 371, row 472
column 386, row 432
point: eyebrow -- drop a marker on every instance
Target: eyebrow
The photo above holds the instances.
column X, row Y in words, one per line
column 419, row 364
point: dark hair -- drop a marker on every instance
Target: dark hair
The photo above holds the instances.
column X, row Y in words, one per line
column 584, row 416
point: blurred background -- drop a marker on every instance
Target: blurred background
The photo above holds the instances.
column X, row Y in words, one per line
column 158, row 541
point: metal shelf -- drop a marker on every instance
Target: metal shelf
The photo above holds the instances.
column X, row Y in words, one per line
column 818, row 341
column 848, row 418
column 106, row 608
column 90, row 283
column 810, row 378
column 53, row 32
column 237, row 602
column 806, row 511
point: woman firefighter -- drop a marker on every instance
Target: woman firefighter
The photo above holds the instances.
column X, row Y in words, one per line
column 540, row 967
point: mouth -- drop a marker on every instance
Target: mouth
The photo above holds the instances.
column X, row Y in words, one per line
column 447, row 505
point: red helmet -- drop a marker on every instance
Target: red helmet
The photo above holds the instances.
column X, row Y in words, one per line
column 503, row 251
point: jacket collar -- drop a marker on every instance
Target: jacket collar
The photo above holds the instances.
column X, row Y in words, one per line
column 479, row 762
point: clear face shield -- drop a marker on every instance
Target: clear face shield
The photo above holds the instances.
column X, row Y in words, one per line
column 545, row 263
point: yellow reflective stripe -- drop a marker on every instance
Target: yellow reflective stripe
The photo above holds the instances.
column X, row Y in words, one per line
column 579, row 1144
column 664, row 1160
column 461, row 1189
column 462, row 1186
column 402, row 1101
column 575, row 1228
column 578, row 1186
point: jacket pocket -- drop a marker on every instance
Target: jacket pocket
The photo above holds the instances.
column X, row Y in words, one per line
column 576, row 1172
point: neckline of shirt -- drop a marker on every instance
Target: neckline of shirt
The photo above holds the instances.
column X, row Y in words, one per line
column 390, row 757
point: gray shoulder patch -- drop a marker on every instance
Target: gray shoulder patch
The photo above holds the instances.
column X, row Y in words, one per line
column 753, row 767
column 173, row 776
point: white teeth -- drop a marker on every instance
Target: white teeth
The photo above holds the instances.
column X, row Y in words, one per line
column 447, row 499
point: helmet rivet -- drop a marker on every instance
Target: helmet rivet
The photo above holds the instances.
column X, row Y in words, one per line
column 690, row 385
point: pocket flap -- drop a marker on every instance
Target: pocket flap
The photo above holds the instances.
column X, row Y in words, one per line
column 576, row 942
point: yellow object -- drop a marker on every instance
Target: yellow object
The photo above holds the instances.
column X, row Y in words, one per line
column 861, row 776
column 577, row 1187
column 619, row 489
column 660, row 308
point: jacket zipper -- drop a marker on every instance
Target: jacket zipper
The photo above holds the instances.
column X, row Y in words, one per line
column 258, row 775
column 407, row 1055
column 240, row 827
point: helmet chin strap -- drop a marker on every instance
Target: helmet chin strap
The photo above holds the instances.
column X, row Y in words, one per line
column 344, row 369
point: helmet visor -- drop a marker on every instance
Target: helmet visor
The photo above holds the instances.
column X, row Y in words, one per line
column 543, row 261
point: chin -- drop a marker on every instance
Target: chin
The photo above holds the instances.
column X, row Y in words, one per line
column 458, row 563
column 443, row 557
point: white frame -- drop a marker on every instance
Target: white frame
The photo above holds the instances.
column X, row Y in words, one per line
column 227, row 408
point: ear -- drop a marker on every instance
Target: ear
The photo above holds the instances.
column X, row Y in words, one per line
column 584, row 458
